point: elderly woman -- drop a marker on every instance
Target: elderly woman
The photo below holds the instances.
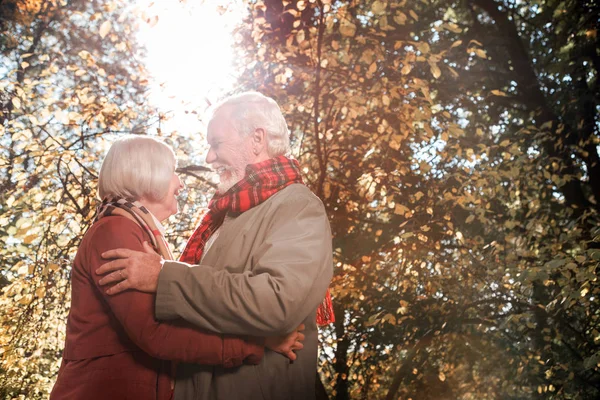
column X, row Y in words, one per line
column 114, row 348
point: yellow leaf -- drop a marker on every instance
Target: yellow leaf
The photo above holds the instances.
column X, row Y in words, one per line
column 456, row 44
column 435, row 70
column 347, row 28
column 425, row 167
column 400, row 18
column 406, row 69
column 481, row 53
column 400, row 209
column 373, row 67
column 16, row 102
column 23, row 270
column 414, row 15
column 498, row 93
column 386, row 100
column 453, row 72
column 300, row 36
column 40, row 292
column 442, row 376
column 29, row 238
column 378, row 7
column 390, row 319
column 452, row 27
column 105, row 28
column 25, row 300
column 24, row 64
column 455, row 130
column 327, row 190
column 423, row 47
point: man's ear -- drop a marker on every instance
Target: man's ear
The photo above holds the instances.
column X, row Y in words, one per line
column 259, row 140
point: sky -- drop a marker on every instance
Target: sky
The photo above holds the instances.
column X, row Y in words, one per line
column 189, row 54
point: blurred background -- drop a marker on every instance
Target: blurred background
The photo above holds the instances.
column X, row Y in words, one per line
column 454, row 144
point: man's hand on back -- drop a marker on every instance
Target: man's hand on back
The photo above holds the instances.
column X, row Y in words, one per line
column 131, row 269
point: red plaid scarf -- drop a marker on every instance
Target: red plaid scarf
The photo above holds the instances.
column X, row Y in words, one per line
column 262, row 180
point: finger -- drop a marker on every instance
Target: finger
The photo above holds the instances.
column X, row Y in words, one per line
column 116, row 276
column 111, row 266
column 291, row 355
column 148, row 248
column 118, row 253
column 301, row 328
column 118, row 288
column 297, row 346
column 300, row 337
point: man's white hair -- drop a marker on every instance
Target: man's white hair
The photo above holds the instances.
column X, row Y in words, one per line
column 249, row 111
column 137, row 167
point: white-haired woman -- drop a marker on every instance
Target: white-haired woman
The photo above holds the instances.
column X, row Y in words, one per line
column 114, row 347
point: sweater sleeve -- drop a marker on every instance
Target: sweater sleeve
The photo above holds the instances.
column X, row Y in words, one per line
column 293, row 268
column 176, row 340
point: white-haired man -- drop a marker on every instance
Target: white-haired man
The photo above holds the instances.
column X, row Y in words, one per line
column 262, row 259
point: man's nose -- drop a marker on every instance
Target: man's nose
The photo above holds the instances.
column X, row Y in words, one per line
column 211, row 157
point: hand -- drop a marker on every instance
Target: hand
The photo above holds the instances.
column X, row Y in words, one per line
column 286, row 345
column 131, row 270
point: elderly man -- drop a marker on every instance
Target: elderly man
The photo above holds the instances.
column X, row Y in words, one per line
column 263, row 259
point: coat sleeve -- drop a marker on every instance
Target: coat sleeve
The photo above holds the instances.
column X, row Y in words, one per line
column 177, row 340
column 292, row 269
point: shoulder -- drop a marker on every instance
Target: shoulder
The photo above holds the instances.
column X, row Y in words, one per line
column 114, row 228
column 297, row 193
column 297, row 203
column 106, row 234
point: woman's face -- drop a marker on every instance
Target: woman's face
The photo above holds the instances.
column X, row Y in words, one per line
column 166, row 207
column 169, row 203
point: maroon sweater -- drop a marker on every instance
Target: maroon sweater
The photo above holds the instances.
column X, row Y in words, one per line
column 114, row 347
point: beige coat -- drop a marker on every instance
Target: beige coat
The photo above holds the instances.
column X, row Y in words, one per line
column 266, row 273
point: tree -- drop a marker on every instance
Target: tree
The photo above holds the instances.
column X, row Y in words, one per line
column 71, row 79
column 426, row 131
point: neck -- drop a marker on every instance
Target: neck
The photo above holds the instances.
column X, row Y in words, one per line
column 156, row 209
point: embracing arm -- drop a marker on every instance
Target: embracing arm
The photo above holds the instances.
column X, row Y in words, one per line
column 293, row 268
column 178, row 340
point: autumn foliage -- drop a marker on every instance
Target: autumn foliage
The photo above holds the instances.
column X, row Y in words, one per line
column 454, row 144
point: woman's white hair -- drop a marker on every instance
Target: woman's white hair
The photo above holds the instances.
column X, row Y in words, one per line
column 249, row 111
column 137, row 167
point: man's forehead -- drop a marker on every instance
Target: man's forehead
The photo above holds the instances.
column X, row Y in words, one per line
column 219, row 126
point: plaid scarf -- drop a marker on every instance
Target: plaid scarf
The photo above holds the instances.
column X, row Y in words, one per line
column 138, row 214
column 262, row 180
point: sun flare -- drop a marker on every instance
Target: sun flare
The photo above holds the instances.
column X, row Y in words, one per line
column 189, row 56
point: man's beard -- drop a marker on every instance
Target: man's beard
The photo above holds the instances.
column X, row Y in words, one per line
column 227, row 183
column 235, row 175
